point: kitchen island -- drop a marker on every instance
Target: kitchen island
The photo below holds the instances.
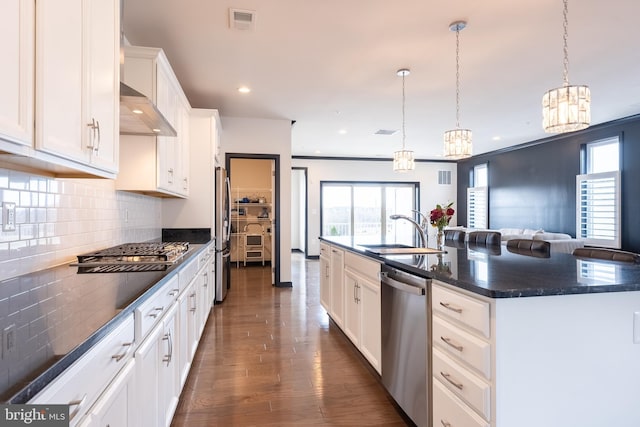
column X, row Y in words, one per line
column 517, row 340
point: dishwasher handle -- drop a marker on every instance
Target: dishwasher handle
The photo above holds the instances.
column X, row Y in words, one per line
column 401, row 286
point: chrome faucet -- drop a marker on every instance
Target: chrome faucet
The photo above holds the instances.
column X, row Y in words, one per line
column 425, row 221
column 423, row 235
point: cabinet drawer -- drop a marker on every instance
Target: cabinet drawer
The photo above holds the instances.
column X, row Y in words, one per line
column 462, row 345
column 471, row 312
column 449, row 411
column 325, row 249
column 187, row 273
column 152, row 310
column 463, row 383
column 84, row 381
column 363, row 265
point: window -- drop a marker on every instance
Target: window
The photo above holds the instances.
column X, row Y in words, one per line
column 477, row 197
column 363, row 209
column 598, row 194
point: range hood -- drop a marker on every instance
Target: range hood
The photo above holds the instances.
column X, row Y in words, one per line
column 139, row 115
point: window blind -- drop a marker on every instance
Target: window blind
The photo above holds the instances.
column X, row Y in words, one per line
column 598, row 209
column 477, row 207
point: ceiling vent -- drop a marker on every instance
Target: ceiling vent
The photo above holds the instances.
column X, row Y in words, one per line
column 244, row 20
column 386, row 131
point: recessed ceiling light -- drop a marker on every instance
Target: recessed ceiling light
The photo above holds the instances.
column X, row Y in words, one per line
column 156, row 130
column 244, row 89
column 497, row 138
column 317, row 152
column 342, row 131
column 136, row 111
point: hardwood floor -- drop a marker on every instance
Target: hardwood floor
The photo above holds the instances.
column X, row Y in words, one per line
column 270, row 357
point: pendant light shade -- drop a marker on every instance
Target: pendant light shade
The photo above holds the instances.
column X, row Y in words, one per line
column 403, row 160
column 567, row 108
column 458, row 142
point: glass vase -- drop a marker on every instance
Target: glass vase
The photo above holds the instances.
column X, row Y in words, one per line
column 440, row 239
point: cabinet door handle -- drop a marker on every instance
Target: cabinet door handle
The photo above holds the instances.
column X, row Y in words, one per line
column 153, row 314
column 119, row 357
column 167, row 358
column 451, row 307
column 174, row 292
column 78, row 404
column 445, row 423
column 186, row 184
column 96, row 148
column 170, row 176
column 451, row 343
column 206, row 279
column 447, row 377
column 92, row 126
column 193, row 309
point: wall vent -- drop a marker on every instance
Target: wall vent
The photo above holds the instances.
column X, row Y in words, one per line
column 444, row 177
column 240, row 19
column 385, row 132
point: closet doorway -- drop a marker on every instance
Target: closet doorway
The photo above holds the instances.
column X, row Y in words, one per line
column 255, row 191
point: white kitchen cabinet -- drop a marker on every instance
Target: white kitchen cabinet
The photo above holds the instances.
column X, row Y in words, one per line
column 117, row 405
column 82, row 384
column 187, row 330
column 197, row 211
column 325, row 276
column 169, row 376
column 462, row 358
column 16, row 75
column 362, row 310
column 157, row 372
column 77, row 83
column 352, row 311
column 337, row 286
column 156, row 165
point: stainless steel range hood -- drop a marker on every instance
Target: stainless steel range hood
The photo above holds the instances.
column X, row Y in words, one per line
column 139, row 115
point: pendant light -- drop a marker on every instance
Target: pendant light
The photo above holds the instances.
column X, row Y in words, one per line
column 457, row 142
column 567, row 108
column 403, row 159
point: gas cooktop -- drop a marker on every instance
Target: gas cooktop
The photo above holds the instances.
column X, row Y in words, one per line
column 132, row 257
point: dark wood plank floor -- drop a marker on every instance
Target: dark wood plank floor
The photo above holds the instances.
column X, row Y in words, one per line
column 270, row 357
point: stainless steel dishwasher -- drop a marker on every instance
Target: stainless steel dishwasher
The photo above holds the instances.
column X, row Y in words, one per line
column 405, row 372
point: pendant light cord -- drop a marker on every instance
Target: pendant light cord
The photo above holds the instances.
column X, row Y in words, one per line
column 403, row 101
column 457, row 77
column 565, row 38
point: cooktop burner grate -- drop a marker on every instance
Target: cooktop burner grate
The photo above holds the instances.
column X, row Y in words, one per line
column 130, row 257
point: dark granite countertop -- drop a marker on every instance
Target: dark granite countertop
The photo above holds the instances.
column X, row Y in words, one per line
column 498, row 273
column 59, row 314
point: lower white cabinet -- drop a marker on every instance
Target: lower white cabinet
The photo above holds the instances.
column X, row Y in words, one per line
column 337, row 286
column 116, row 406
column 325, row 276
column 350, row 292
column 362, row 306
column 83, row 383
column 157, row 372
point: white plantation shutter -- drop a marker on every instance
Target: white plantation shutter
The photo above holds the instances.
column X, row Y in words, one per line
column 598, row 209
column 477, row 207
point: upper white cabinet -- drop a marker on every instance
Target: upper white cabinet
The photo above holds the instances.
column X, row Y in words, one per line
column 156, row 165
column 59, row 83
column 16, row 74
column 77, row 81
column 196, row 212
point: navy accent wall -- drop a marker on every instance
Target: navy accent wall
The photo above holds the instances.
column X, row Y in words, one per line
column 533, row 185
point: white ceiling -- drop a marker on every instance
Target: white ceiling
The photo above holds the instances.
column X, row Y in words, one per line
column 330, row 65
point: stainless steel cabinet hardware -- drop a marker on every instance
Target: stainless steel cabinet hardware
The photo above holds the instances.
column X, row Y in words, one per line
column 450, row 307
column 447, row 377
column 445, row 423
column 452, row 344
column 193, row 309
column 78, row 404
column 169, row 355
column 119, row 357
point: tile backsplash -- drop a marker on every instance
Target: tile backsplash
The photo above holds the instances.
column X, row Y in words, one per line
column 57, row 219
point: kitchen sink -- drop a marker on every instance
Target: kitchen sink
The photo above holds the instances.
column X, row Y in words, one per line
column 398, row 249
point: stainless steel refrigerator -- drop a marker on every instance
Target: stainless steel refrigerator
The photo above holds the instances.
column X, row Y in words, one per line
column 222, row 234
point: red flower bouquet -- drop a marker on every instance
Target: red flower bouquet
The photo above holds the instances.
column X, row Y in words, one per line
column 440, row 216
